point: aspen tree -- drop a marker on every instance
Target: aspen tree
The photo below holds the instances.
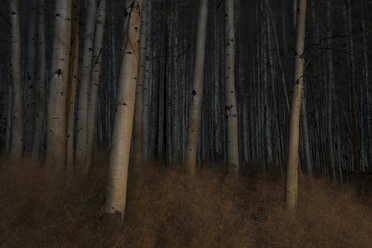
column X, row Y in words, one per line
column 138, row 117
column 120, row 148
column 230, row 101
column 72, row 85
column 292, row 167
column 30, row 78
column 330, row 93
column 86, row 71
column 96, row 74
column 197, row 90
column 56, row 122
column 41, row 81
column 16, row 148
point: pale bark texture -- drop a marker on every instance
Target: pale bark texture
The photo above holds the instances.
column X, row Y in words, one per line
column 138, row 117
column 71, row 88
column 292, row 167
column 56, row 122
column 197, row 90
column 120, row 150
column 96, row 77
column 86, row 70
column 37, row 147
column 16, row 148
column 230, row 101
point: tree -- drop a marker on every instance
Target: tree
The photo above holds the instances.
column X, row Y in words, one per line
column 56, row 122
column 15, row 73
column 41, row 81
column 231, row 109
column 197, row 90
column 96, row 74
column 292, row 167
column 120, row 150
column 86, row 71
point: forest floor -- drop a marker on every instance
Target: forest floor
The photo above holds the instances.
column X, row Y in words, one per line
column 167, row 208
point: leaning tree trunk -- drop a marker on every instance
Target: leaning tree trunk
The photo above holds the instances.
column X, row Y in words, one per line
column 96, row 74
column 86, row 70
column 120, row 150
column 292, row 167
column 197, row 90
column 138, row 118
column 56, row 136
column 15, row 69
column 72, row 85
column 231, row 109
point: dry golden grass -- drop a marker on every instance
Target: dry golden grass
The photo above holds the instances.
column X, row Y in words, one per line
column 167, row 208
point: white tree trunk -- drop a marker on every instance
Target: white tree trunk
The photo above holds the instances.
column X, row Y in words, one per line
column 197, row 90
column 96, row 73
column 86, row 70
column 56, row 125
column 41, row 79
column 292, row 167
column 230, row 102
column 120, row 150
column 15, row 69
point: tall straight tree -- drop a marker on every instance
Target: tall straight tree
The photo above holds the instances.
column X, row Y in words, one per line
column 56, row 122
column 96, row 74
column 86, row 70
column 30, row 78
column 15, row 72
column 72, row 85
column 120, row 150
column 197, row 90
column 138, row 118
column 230, row 95
column 41, row 81
column 292, row 167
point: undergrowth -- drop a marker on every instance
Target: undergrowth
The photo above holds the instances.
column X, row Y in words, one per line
column 167, row 208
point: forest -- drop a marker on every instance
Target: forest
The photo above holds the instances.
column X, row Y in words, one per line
column 186, row 123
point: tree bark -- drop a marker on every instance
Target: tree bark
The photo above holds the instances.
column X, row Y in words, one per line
column 197, row 90
column 15, row 69
column 86, row 71
column 292, row 167
column 95, row 78
column 230, row 104
column 120, row 150
column 56, row 136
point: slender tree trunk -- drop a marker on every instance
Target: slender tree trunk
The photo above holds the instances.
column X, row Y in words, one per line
column 197, row 90
column 41, row 79
column 351, row 63
column 120, row 150
column 330, row 94
column 15, row 71
column 306, row 136
column 138, row 117
column 292, row 167
column 86, row 71
column 30, row 82
column 56, row 136
column 230, row 105
column 95, row 78
column 71, row 88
